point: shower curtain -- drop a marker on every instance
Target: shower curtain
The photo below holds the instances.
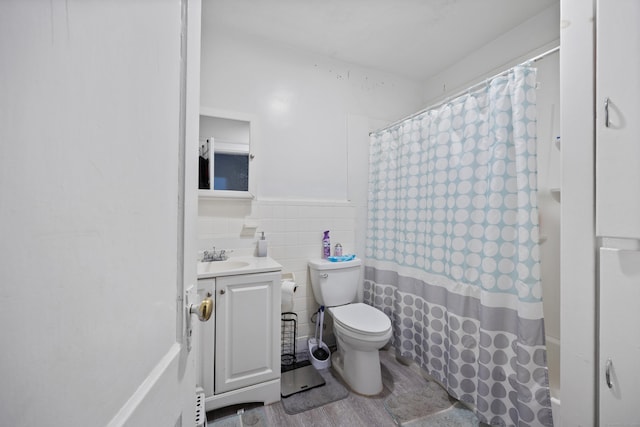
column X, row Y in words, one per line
column 452, row 253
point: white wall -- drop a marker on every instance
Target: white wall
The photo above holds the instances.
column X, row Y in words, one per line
column 302, row 102
column 532, row 37
column 549, row 177
column 578, row 253
column 313, row 117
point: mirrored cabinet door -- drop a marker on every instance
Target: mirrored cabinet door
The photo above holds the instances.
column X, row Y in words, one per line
column 224, row 157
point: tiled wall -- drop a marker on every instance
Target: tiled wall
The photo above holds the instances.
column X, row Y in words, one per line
column 294, row 231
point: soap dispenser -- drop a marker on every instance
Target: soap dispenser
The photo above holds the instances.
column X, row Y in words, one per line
column 262, row 246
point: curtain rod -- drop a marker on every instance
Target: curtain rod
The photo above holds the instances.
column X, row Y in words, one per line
column 469, row 89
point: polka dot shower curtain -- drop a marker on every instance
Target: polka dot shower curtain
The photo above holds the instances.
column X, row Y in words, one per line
column 452, row 248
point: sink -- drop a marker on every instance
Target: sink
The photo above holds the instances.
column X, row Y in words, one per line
column 237, row 266
column 220, row 266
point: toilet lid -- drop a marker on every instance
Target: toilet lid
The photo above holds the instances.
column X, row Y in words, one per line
column 361, row 318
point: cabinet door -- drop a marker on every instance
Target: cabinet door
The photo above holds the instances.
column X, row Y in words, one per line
column 247, row 330
column 617, row 124
column 619, row 337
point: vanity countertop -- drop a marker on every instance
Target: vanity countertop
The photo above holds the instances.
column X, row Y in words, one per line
column 237, row 265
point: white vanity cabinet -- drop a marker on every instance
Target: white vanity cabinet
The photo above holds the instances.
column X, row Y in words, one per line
column 247, row 330
column 239, row 354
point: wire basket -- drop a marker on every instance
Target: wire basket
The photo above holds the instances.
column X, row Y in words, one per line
column 288, row 333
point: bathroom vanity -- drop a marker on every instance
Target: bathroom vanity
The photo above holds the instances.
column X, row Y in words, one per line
column 238, row 357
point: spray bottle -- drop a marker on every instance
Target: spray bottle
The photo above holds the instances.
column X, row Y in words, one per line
column 326, row 245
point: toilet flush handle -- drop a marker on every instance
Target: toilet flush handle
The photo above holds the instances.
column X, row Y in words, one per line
column 324, row 275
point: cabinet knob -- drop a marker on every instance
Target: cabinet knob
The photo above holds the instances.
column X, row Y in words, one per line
column 203, row 310
column 222, row 291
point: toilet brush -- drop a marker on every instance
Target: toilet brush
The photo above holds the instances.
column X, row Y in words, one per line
column 320, row 353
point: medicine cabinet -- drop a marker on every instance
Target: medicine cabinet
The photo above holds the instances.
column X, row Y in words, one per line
column 225, row 155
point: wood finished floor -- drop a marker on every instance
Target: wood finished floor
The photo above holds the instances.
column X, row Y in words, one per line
column 355, row 410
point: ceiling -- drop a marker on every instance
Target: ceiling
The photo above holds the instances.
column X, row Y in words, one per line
column 413, row 38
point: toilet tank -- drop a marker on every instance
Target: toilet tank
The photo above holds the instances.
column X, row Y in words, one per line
column 334, row 283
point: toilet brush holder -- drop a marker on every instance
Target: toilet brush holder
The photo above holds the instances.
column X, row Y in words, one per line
column 316, row 362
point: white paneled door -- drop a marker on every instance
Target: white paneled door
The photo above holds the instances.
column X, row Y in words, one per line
column 618, row 209
column 617, row 126
column 619, row 337
column 98, row 106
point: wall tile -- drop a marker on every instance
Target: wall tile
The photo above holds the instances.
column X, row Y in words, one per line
column 294, row 231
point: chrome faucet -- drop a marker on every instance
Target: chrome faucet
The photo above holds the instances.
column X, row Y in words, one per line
column 215, row 255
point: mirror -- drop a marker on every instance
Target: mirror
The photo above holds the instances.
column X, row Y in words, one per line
column 224, row 156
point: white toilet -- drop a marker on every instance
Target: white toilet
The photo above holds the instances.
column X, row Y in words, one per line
column 361, row 330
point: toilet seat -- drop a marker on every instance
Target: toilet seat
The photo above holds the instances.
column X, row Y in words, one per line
column 360, row 318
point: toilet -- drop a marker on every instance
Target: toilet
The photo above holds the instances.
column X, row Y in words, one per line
column 360, row 330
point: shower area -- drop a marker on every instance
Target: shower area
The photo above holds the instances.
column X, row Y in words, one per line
column 463, row 242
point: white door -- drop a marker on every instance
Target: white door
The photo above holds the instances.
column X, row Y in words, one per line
column 96, row 231
column 619, row 336
column 617, row 126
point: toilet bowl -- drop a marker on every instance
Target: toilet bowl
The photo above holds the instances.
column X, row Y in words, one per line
column 360, row 329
